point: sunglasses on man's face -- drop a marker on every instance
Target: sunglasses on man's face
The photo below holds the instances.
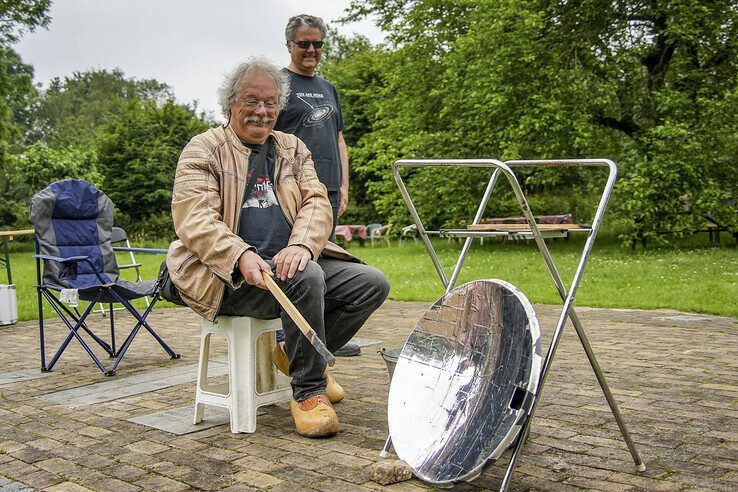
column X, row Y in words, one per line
column 303, row 45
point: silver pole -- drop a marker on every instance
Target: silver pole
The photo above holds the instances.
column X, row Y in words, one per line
column 568, row 311
column 418, row 223
column 477, row 219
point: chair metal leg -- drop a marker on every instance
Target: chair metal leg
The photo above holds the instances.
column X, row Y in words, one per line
column 112, row 330
column 76, row 316
column 41, row 330
column 141, row 322
column 73, row 333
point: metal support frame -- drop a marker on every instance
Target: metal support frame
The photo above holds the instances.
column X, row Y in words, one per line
column 5, row 260
column 132, row 264
column 505, row 168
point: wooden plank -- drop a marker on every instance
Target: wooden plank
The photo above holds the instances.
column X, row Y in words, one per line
column 521, row 227
column 21, row 232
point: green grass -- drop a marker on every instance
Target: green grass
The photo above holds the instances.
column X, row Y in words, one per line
column 695, row 277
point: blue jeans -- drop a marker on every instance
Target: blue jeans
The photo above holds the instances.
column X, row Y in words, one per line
column 335, row 198
column 336, row 297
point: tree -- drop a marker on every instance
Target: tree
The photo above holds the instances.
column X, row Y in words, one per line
column 651, row 84
column 355, row 67
column 138, row 153
column 70, row 112
column 33, row 169
column 17, row 16
column 17, row 89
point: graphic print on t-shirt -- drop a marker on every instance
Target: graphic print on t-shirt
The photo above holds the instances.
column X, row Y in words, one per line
column 318, row 112
column 262, row 196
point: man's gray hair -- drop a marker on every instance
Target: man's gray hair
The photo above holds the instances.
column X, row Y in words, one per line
column 303, row 20
column 256, row 65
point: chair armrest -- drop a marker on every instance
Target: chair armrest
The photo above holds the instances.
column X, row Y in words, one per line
column 72, row 259
column 129, row 265
column 147, row 251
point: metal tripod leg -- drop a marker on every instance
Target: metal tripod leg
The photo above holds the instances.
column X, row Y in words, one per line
column 640, row 466
column 568, row 311
column 385, row 450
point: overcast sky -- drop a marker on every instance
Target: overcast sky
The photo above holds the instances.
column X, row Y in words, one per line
column 187, row 44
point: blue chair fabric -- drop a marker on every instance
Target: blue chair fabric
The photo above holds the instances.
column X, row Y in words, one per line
column 73, row 221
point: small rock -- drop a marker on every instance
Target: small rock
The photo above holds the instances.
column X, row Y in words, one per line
column 390, row 471
column 559, row 467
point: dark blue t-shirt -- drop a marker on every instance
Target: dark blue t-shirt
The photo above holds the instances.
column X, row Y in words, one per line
column 263, row 224
column 313, row 113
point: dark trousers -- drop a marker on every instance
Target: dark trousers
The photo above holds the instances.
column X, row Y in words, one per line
column 335, row 198
column 336, row 297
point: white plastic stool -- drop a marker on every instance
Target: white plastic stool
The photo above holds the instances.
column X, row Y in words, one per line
column 239, row 395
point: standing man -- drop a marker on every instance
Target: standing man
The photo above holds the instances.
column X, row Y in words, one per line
column 247, row 202
column 313, row 113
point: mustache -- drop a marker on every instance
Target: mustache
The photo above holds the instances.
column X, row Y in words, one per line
column 262, row 120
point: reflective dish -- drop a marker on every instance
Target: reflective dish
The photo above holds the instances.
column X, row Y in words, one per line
column 464, row 381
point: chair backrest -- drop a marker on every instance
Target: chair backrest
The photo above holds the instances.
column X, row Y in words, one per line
column 73, row 218
column 118, row 235
column 371, row 228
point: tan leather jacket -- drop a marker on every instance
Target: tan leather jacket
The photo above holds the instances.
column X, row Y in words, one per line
column 206, row 207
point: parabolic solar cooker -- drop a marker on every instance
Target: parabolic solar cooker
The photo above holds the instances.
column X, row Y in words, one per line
column 464, row 381
column 468, row 380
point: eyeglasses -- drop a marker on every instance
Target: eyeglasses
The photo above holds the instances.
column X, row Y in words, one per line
column 253, row 104
column 303, row 45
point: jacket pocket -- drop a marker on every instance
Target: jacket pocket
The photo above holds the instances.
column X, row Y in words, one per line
column 184, row 263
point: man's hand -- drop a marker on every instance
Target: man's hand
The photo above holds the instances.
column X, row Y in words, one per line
column 343, row 202
column 290, row 260
column 251, row 266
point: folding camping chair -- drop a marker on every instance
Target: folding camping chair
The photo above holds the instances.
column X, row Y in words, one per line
column 73, row 221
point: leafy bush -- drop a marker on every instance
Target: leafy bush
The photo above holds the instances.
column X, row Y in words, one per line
column 138, row 153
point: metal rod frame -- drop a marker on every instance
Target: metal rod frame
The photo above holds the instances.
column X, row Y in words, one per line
column 505, row 168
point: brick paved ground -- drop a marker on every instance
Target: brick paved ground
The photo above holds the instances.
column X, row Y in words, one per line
column 674, row 376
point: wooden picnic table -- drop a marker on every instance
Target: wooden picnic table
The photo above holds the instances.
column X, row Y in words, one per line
column 7, row 236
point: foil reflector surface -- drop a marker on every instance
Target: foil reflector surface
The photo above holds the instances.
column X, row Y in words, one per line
column 463, row 383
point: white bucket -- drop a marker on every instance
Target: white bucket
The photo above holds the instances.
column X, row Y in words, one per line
column 8, row 305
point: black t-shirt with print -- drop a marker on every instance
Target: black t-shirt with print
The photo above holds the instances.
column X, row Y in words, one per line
column 313, row 113
column 263, row 224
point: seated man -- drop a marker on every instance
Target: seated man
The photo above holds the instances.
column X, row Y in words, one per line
column 247, row 200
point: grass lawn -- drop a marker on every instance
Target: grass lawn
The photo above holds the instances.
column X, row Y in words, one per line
column 696, row 277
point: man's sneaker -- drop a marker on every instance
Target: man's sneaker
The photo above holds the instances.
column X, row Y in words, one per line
column 334, row 390
column 348, row 350
column 314, row 417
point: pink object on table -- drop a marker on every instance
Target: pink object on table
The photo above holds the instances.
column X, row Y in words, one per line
column 347, row 231
column 344, row 231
